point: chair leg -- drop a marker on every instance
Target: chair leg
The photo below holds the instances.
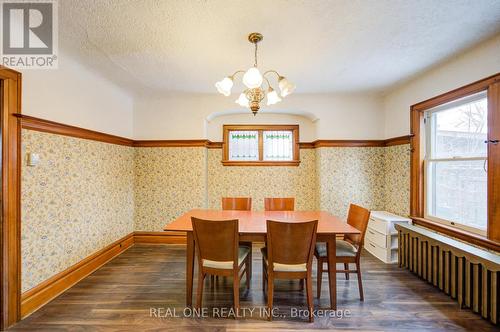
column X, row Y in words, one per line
column 199, row 295
column 310, row 297
column 319, row 278
column 236, row 292
column 346, row 267
column 248, row 270
column 270, row 294
column 249, row 275
column 264, row 275
column 360, row 282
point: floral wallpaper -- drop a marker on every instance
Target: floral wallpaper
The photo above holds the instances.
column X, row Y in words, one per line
column 84, row 195
column 60, row 197
column 260, row 182
column 350, row 175
column 397, row 179
column 168, row 182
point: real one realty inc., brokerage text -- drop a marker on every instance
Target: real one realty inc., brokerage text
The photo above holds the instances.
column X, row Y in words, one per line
column 262, row 312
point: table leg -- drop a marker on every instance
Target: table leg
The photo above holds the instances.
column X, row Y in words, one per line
column 189, row 269
column 332, row 270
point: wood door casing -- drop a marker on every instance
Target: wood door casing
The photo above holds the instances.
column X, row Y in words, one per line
column 10, row 224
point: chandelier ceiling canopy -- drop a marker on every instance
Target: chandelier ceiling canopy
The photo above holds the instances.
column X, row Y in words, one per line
column 253, row 80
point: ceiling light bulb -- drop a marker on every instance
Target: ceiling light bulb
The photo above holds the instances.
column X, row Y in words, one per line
column 272, row 97
column 242, row 100
column 252, row 78
column 286, row 86
column 224, row 86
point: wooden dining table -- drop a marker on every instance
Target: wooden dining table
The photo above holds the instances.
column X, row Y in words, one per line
column 252, row 228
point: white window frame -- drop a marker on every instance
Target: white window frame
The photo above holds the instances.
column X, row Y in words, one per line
column 427, row 160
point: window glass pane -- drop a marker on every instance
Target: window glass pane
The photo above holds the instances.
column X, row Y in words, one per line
column 278, row 145
column 457, row 192
column 460, row 131
column 244, row 145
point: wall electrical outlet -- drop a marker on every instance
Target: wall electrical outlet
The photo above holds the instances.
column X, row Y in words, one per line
column 33, row 159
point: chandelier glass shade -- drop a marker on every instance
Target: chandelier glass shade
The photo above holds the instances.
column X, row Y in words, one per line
column 253, row 80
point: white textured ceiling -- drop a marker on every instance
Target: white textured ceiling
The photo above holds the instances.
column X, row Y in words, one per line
column 321, row 45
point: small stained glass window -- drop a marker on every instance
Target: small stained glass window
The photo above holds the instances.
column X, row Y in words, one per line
column 278, row 145
column 244, row 145
column 253, row 145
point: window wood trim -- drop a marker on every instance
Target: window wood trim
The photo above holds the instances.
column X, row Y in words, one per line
column 417, row 144
column 458, row 233
column 493, row 231
column 226, row 129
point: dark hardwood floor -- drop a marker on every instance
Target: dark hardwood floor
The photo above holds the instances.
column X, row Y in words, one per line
column 122, row 295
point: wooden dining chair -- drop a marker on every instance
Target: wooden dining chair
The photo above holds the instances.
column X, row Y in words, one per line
column 288, row 255
column 219, row 254
column 237, row 203
column 348, row 249
column 279, row 204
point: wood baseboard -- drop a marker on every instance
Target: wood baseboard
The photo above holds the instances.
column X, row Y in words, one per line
column 36, row 297
column 160, row 237
column 46, row 291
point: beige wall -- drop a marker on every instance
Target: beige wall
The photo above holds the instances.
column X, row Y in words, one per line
column 480, row 62
column 75, row 95
column 184, row 116
column 76, row 201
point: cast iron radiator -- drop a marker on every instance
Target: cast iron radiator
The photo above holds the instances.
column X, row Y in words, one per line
column 466, row 273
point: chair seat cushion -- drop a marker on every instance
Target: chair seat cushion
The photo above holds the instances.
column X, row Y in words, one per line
column 243, row 252
column 284, row 267
column 344, row 249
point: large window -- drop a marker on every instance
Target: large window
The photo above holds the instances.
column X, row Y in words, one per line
column 455, row 163
column 455, row 158
column 248, row 145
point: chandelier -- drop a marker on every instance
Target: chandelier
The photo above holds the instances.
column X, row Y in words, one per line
column 253, row 79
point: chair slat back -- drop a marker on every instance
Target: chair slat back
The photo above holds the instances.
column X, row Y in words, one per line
column 358, row 218
column 237, row 203
column 216, row 240
column 291, row 242
column 279, row 204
